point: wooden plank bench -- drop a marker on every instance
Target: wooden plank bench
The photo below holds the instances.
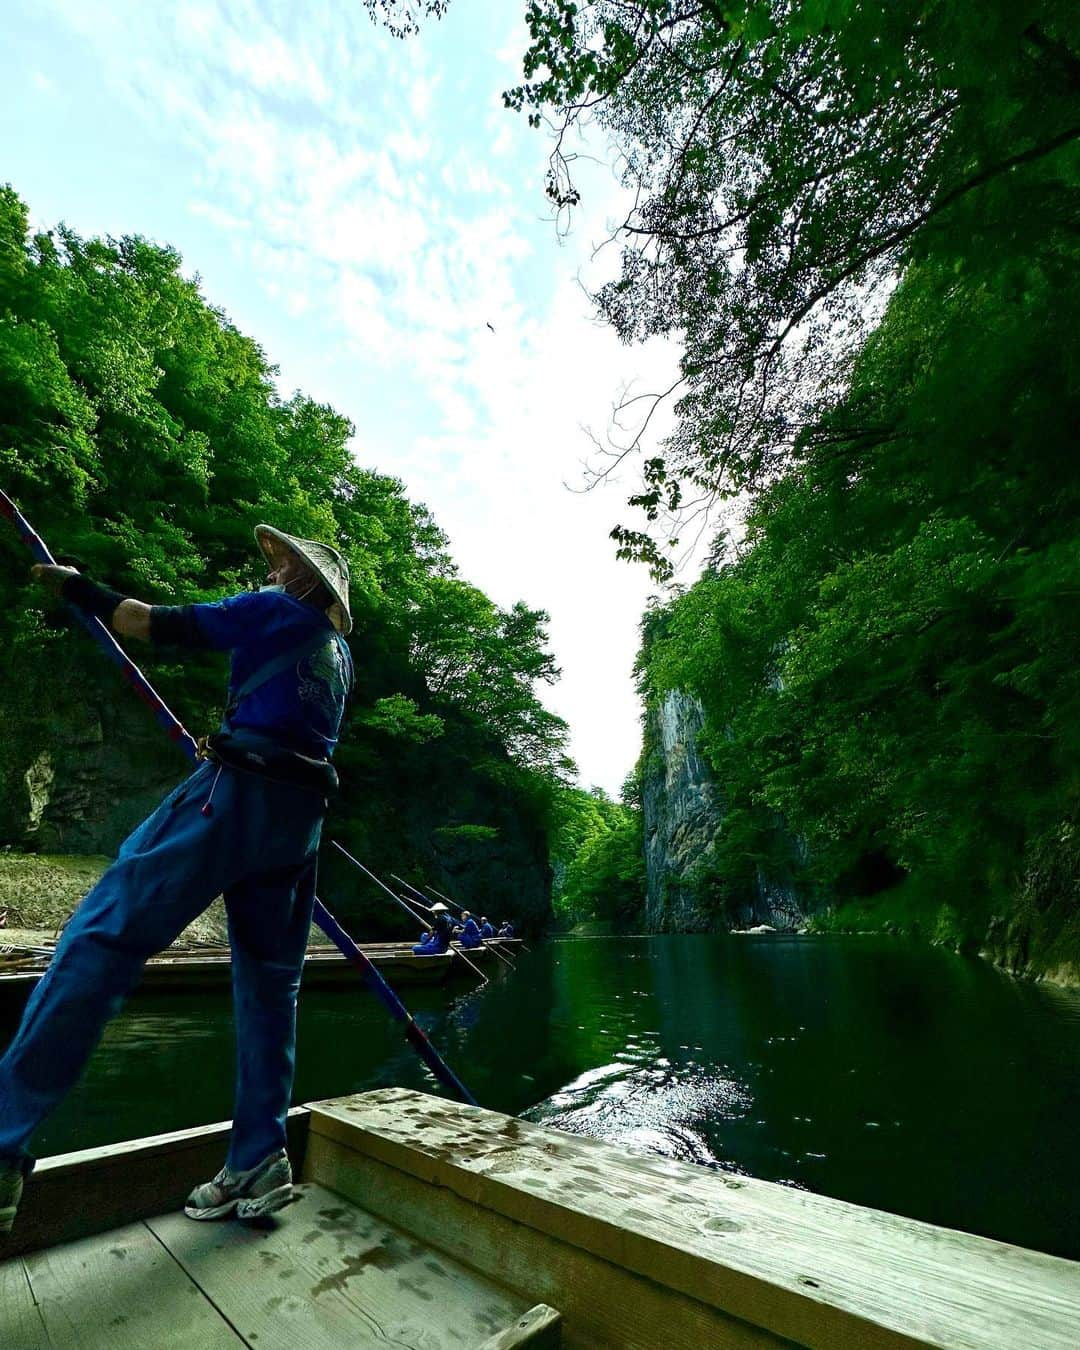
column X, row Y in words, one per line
column 645, row 1251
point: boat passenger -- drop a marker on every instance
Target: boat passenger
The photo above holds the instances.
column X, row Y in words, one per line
column 246, row 825
column 442, row 930
column 507, row 930
column 486, row 930
column 470, row 932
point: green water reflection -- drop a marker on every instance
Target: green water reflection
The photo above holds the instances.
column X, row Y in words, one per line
column 890, row 1075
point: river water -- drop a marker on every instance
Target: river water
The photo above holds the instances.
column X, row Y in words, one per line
column 891, row 1075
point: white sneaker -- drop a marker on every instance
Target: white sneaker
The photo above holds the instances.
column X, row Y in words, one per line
column 261, row 1190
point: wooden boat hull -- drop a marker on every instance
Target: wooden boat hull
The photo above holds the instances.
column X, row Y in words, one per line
column 633, row 1251
column 323, row 969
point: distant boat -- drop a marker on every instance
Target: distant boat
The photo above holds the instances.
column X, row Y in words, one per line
column 178, row 969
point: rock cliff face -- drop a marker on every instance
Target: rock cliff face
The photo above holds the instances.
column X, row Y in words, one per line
column 684, row 816
column 80, row 776
column 1040, row 935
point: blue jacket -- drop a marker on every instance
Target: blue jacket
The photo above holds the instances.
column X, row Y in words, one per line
column 470, row 935
column 301, row 706
column 439, row 941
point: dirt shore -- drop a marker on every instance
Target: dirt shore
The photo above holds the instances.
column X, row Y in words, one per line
column 39, row 893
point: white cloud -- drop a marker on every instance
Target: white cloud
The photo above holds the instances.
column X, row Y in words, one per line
column 393, row 235
column 224, row 220
column 421, row 93
column 409, row 147
column 503, row 142
column 269, row 65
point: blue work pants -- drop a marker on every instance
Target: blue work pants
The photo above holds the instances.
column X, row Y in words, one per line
column 257, row 846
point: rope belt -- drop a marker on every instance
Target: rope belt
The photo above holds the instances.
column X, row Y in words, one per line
column 261, row 756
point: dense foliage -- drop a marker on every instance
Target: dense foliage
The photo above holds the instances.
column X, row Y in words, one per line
column 786, row 159
column 889, row 659
column 144, row 437
column 599, row 861
column 860, row 219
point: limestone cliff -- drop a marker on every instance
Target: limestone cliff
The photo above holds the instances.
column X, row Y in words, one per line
column 80, row 767
column 684, row 816
column 80, row 770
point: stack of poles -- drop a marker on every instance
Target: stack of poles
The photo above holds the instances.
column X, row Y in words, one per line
column 461, row 909
column 409, row 910
column 176, row 732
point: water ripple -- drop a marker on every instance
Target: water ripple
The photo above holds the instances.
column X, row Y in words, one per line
column 654, row 1107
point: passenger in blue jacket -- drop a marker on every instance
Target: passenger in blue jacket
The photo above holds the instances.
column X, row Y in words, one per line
column 442, row 927
column 246, row 825
column 470, row 932
column 507, row 930
column 486, row 930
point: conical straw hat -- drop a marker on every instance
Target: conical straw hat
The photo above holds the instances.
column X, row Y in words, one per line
column 326, row 562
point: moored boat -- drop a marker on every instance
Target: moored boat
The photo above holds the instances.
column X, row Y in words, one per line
column 176, row 970
column 422, row 1223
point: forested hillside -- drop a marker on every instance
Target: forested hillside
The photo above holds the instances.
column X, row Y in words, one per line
column 598, row 859
column 144, row 437
column 888, row 660
column 860, row 222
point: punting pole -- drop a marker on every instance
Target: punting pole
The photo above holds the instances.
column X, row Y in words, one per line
column 369, row 873
column 486, row 942
column 454, row 902
column 423, row 896
column 414, row 1034
column 502, row 956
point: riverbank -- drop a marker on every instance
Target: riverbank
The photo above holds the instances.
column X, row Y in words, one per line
column 1022, row 943
column 39, row 892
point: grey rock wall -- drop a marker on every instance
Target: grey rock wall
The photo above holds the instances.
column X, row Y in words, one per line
column 684, row 816
column 682, row 813
column 84, row 773
column 80, row 777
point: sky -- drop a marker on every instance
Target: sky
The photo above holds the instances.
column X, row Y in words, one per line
column 372, row 215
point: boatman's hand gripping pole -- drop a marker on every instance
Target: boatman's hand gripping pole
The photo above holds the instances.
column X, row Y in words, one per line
column 176, row 732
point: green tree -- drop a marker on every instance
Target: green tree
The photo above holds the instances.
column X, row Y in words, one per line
column 886, row 661
column 599, row 857
column 787, row 159
column 143, row 434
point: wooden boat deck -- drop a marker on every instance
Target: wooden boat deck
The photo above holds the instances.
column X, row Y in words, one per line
column 423, row 1223
column 326, row 1275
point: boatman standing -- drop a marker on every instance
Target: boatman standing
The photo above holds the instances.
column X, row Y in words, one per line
column 245, row 825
